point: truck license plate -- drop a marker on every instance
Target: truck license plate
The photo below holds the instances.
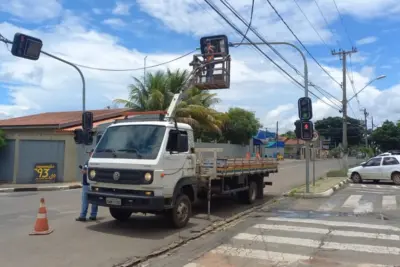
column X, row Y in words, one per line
column 113, row 201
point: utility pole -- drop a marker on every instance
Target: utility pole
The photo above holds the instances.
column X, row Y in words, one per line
column 366, row 126
column 277, row 139
column 343, row 55
column 372, row 122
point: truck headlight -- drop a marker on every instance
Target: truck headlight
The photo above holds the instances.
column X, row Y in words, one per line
column 92, row 174
column 147, row 177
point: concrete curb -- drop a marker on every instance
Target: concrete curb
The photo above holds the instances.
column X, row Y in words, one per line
column 213, row 227
column 39, row 188
column 327, row 193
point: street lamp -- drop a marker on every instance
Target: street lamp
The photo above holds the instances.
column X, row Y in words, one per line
column 373, row 80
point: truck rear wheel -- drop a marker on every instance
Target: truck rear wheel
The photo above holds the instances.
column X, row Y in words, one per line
column 120, row 214
column 250, row 195
column 180, row 214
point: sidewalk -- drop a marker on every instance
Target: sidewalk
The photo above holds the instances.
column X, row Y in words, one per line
column 6, row 188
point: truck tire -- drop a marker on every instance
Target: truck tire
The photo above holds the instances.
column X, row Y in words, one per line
column 120, row 214
column 260, row 187
column 250, row 195
column 180, row 214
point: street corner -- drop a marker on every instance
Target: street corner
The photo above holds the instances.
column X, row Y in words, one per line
column 33, row 188
column 324, row 187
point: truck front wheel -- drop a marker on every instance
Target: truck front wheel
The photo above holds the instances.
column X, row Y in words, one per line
column 180, row 214
column 120, row 214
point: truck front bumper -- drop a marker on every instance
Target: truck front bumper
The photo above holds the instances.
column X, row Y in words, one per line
column 136, row 203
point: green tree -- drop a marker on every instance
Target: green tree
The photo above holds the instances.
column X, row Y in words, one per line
column 157, row 91
column 240, row 126
column 2, row 138
column 332, row 127
column 290, row 135
column 387, row 137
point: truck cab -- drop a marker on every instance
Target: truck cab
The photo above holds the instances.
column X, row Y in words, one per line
column 142, row 166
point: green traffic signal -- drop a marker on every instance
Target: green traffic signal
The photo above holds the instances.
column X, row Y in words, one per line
column 305, row 108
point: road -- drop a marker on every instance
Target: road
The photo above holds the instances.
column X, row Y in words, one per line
column 107, row 242
column 358, row 226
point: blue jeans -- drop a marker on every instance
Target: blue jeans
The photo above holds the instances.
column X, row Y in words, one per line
column 85, row 204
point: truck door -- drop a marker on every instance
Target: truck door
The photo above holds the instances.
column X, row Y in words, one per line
column 176, row 156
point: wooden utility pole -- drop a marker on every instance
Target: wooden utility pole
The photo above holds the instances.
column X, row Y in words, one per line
column 343, row 55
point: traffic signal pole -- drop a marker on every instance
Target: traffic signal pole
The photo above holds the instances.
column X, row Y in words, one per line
column 307, row 143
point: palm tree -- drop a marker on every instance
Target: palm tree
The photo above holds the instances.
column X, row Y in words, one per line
column 195, row 108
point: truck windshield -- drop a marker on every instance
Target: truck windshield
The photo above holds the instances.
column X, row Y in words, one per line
column 130, row 141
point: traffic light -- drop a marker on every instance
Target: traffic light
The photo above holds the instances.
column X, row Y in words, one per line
column 88, row 137
column 78, row 136
column 305, row 108
column 87, row 120
column 26, row 46
column 220, row 43
column 297, row 130
column 307, row 130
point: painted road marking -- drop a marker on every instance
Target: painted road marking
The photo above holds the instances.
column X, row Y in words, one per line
column 378, row 186
column 335, row 223
column 276, row 257
column 364, row 207
column 326, row 231
column 317, row 244
column 352, row 201
column 389, row 202
column 363, row 185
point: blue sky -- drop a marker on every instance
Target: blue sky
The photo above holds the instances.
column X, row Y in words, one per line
column 119, row 34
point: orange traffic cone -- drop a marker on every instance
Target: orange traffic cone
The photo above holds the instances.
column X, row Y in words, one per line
column 42, row 225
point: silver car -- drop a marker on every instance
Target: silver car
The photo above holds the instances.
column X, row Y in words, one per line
column 384, row 168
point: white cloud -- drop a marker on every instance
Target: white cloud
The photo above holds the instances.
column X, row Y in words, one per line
column 367, row 40
column 48, row 85
column 114, row 22
column 32, row 11
column 122, row 8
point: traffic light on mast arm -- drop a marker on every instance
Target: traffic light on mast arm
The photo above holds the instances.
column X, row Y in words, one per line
column 305, row 108
column 307, row 130
column 83, row 137
column 297, row 130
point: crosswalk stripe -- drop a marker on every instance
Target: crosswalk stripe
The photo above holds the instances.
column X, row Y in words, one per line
column 326, row 231
column 389, row 202
column 335, row 223
column 259, row 254
column 317, row 244
column 352, row 201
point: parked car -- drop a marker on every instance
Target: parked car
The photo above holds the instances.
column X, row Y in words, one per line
column 386, row 168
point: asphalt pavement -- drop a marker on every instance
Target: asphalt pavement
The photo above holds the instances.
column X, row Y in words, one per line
column 108, row 242
column 298, row 232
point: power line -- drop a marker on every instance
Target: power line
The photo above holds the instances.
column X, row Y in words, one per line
column 301, row 43
column 141, row 68
column 309, row 22
column 326, row 22
column 216, row 9
column 6, row 41
column 319, row 89
column 342, row 22
column 248, row 28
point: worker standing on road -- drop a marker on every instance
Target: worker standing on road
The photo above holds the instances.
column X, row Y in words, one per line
column 85, row 189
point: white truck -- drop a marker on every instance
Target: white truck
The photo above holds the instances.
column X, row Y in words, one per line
column 150, row 165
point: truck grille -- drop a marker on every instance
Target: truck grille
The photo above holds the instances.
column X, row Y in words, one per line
column 125, row 176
